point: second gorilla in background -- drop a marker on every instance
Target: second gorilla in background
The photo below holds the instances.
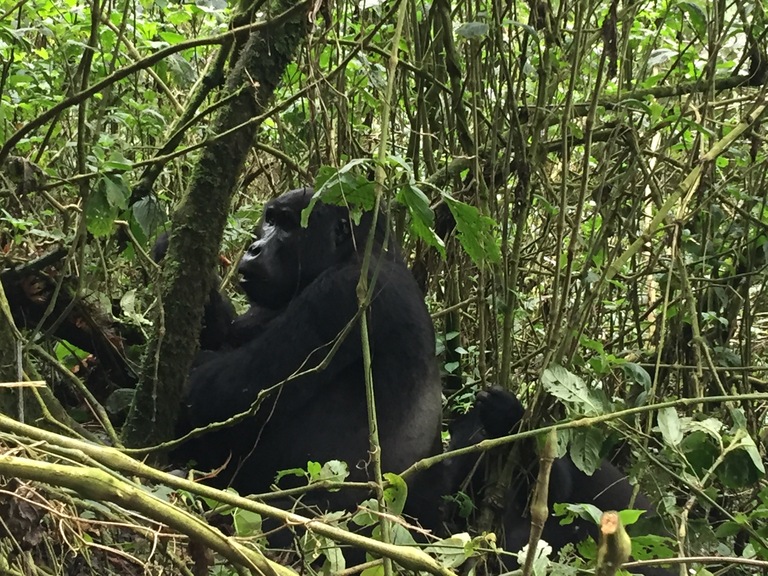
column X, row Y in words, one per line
column 498, row 412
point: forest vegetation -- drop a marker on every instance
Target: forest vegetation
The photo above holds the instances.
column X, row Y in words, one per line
column 579, row 187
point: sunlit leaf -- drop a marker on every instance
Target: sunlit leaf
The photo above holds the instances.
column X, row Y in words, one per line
column 471, row 30
column 670, row 427
column 571, row 389
column 396, row 493
column 475, row 231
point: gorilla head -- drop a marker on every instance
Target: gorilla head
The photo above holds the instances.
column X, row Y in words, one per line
column 285, row 258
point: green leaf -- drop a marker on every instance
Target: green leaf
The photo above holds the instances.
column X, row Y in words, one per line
column 148, row 214
column 340, row 187
column 475, row 231
column 451, row 552
column 573, row 390
column 313, row 469
column 463, row 503
column 696, row 15
column 181, row 70
column 290, row 472
column 365, row 516
column 399, row 533
column 178, row 17
column 171, row 37
column 638, row 374
column 395, row 494
column 117, row 193
column 68, row 351
column 100, row 214
column 333, row 470
column 630, row 516
column 316, row 546
column 669, row 424
column 527, row 27
column 585, row 449
column 739, row 468
column 422, row 216
column 563, row 440
column 118, row 162
column 377, row 570
column 585, row 511
column 246, row 523
column 711, row 426
column 211, row 6
column 451, row 367
column 660, row 56
column 700, row 451
column 647, row 547
column 728, row 529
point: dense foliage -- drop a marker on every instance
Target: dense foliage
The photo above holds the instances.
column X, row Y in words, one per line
column 580, row 188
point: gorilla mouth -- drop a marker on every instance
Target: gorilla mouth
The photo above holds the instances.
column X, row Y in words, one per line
column 253, row 275
column 247, row 281
column 253, row 282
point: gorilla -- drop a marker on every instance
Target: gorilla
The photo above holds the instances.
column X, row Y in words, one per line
column 498, row 412
column 299, row 353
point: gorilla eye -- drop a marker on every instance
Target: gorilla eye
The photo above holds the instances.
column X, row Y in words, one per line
column 281, row 218
column 342, row 231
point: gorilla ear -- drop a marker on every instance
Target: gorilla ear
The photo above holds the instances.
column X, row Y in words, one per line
column 342, row 231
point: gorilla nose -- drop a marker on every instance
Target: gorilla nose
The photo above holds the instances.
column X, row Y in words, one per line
column 254, row 249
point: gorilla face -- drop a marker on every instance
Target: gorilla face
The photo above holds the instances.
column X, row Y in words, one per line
column 285, row 258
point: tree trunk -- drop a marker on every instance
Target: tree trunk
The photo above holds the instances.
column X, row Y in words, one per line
column 198, row 225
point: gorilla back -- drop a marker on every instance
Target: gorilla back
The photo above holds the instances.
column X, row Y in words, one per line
column 308, row 358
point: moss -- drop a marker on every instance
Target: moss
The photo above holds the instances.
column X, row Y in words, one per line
column 199, row 221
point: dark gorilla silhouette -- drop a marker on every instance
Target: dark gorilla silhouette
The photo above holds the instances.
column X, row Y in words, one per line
column 303, row 348
column 498, row 412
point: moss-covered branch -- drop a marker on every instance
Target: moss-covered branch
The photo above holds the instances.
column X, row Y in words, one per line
column 198, row 224
column 114, row 459
column 101, row 486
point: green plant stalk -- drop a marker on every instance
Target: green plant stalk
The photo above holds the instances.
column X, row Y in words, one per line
column 700, row 348
column 512, row 265
column 114, row 459
column 569, row 342
column 364, row 290
column 587, row 421
column 562, row 281
column 539, row 507
column 101, row 486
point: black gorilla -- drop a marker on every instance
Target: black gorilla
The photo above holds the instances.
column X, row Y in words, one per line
column 497, row 413
column 219, row 313
column 302, row 285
